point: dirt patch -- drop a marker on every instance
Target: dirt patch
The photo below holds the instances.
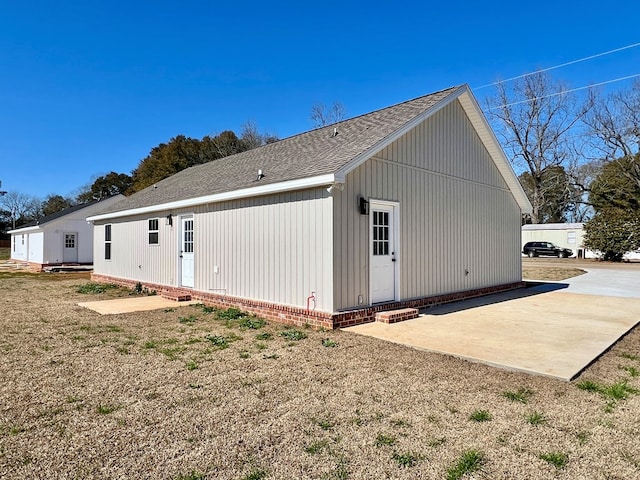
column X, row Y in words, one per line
column 188, row 393
column 551, row 273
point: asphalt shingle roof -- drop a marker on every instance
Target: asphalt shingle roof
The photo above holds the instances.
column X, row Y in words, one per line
column 314, row 153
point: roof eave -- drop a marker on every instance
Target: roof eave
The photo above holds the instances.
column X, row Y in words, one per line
column 287, row 186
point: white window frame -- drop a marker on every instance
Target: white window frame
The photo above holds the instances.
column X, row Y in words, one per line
column 153, row 231
column 107, row 241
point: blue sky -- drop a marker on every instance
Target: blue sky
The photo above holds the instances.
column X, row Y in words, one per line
column 90, row 87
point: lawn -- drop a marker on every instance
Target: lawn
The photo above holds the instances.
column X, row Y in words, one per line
column 194, row 393
column 5, row 253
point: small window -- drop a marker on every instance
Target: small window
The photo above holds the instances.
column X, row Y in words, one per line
column 22, row 239
column 571, row 237
column 153, row 231
column 14, row 243
column 107, row 242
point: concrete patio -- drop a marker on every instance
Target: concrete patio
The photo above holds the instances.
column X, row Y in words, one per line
column 545, row 329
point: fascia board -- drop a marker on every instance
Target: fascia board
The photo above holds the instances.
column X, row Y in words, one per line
column 491, row 143
column 31, row 229
column 298, row 184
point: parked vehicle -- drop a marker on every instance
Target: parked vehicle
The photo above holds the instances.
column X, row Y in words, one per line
column 547, row 249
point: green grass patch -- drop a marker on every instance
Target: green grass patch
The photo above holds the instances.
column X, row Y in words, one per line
column 231, row 313
column 264, row 336
column 293, row 335
column 616, row 391
column 522, row 395
column 95, row 287
column 258, row 474
column 407, row 459
column 191, row 365
column 633, row 371
column 190, row 320
column 327, row 342
column 469, row 462
column 317, row 446
column 400, row 422
column 480, row 416
column 557, row 459
column 222, row 341
column 107, row 409
column 382, row 440
column 630, row 356
column 193, row 475
column 536, row 418
column 252, row 323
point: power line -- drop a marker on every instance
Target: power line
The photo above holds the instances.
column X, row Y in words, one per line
column 590, row 57
column 563, row 92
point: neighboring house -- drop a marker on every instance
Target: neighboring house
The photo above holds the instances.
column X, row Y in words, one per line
column 406, row 206
column 62, row 238
column 566, row 235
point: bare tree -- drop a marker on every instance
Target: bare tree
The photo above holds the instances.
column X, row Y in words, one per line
column 322, row 115
column 19, row 207
column 534, row 117
column 615, row 123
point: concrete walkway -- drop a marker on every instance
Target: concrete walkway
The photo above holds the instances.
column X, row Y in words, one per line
column 135, row 304
column 554, row 329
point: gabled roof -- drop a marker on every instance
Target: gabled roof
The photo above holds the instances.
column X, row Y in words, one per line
column 320, row 157
column 68, row 211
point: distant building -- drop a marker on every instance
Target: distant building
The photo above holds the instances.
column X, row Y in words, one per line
column 61, row 238
column 566, row 235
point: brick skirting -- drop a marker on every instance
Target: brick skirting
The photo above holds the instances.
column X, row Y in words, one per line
column 299, row 316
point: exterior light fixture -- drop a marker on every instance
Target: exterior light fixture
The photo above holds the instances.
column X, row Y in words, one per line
column 364, row 206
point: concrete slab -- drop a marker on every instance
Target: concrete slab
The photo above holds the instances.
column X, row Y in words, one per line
column 542, row 330
column 135, row 304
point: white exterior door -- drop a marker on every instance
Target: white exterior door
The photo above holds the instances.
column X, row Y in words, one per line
column 186, row 252
column 383, row 252
column 70, row 247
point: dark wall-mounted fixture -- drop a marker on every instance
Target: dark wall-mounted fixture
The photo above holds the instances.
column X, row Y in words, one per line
column 170, row 220
column 364, row 206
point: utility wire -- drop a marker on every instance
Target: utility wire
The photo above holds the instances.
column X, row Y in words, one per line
column 590, row 57
column 565, row 91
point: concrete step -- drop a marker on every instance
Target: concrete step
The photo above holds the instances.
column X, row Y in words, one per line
column 394, row 316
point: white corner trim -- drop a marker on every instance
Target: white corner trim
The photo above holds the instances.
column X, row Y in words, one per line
column 298, row 184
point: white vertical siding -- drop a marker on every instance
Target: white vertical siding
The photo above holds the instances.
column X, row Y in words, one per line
column 456, row 214
column 275, row 248
column 131, row 255
column 36, row 247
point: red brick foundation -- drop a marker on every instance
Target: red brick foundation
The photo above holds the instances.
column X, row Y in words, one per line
column 299, row 316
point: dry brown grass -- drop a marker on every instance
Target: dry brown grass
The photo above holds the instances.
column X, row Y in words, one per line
column 146, row 395
column 550, row 273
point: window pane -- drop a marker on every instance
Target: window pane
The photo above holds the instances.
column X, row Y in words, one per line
column 107, row 251
column 153, row 238
column 107, row 233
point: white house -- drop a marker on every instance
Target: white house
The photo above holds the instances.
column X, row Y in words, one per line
column 61, row 238
column 405, row 206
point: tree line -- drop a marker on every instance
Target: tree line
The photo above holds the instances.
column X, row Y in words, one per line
column 164, row 160
column 576, row 153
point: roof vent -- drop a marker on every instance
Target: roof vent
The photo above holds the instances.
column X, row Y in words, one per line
column 335, row 132
column 260, row 175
